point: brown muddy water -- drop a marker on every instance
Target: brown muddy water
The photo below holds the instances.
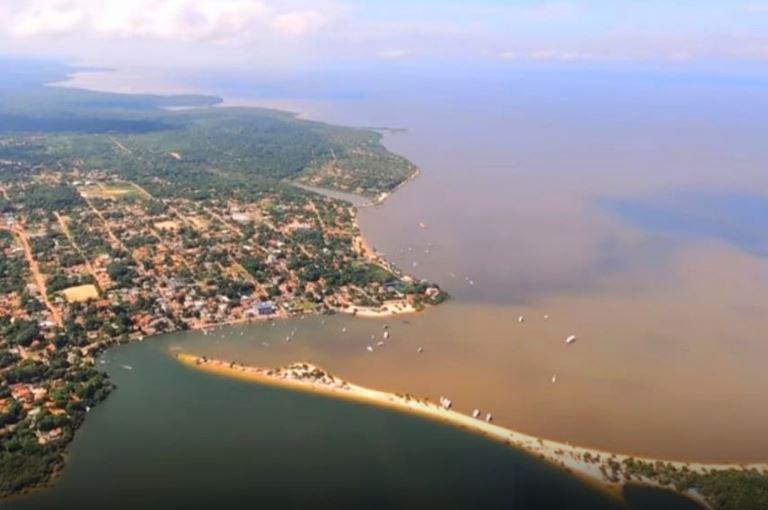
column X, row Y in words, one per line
column 628, row 207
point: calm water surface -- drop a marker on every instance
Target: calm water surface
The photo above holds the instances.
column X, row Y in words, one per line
column 172, row 437
column 630, row 207
column 627, row 206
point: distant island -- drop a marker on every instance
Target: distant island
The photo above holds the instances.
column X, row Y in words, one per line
column 123, row 216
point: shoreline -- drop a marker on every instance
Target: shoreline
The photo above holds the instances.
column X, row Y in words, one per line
column 598, row 467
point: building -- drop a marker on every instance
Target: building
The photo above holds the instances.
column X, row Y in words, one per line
column 266, row 308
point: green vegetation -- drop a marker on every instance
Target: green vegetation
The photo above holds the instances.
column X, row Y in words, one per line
column 197, row 150
column 729, row 489
column 73, row 167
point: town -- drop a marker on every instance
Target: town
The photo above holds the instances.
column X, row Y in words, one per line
column 90, row 259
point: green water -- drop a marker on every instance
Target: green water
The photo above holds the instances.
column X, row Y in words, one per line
column 172, row 437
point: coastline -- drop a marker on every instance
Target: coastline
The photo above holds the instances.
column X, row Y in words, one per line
column 599, row 467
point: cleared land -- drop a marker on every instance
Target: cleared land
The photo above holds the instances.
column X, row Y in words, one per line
column 80, row 293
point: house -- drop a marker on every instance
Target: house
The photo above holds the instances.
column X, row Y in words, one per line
column 267, row 308
column 22, row 393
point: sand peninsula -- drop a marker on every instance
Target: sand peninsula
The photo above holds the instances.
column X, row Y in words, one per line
column 609, row 470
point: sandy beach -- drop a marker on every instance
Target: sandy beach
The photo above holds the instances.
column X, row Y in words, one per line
column 601, row 467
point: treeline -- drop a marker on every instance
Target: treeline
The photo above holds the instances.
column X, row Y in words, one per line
column 731, row 489
column 49, row 197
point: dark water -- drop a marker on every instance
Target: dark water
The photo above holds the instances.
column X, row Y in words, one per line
column 738, row 219
column 171, row 437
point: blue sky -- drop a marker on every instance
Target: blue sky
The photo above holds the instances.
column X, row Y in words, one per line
column 301, row 33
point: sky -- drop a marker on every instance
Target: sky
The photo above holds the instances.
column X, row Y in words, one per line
column 306, row 33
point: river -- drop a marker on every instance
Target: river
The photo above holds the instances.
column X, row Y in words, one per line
column 626, row 206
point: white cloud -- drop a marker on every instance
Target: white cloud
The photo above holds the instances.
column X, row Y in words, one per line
column 756, row 7
column 180, row 20
column 298, row 23
column 311, row 32
column 548, row 55
column 394, row 54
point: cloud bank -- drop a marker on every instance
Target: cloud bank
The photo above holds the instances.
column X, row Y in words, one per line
column 303, row 32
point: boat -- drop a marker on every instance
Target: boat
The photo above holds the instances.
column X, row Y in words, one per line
column 422, row 224
column 554, row 379
column 420, row 350
column 570, row 339
column 546, row 316
column 520, row 319
column 127, row 367
column 489, row 418
column 369, row 349
column 344, row 330
column 386, row 334
column 476, row 413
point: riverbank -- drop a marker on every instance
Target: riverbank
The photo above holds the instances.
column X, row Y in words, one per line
column 609, row 470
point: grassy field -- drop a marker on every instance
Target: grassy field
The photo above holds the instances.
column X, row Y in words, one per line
column 80, row 293
column 110, row 191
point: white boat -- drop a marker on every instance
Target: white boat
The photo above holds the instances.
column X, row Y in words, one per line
column 520, row 319
column 288, row 339
column 554, row 379
column 127, row 367
column 546, row 316
column 489, row 417
column 476, row 413
column 380, row 344
column 369, row 349
column 386, row 335
column 344, row 330
column 570, row 339
column 420, row 350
